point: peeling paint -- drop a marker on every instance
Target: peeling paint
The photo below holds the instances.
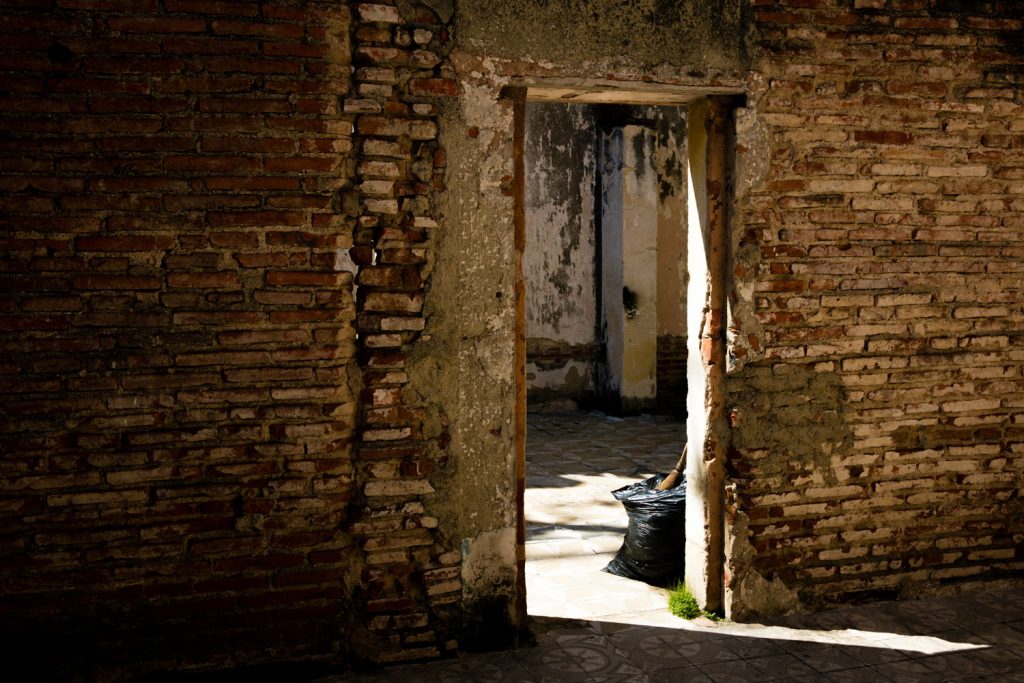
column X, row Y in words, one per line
column 560, row 260
column 748, row 593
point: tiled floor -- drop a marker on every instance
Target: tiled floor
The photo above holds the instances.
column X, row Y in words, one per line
column 574, row 526
column 620, row 630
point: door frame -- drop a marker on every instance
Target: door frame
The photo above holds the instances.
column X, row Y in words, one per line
column 705, row 559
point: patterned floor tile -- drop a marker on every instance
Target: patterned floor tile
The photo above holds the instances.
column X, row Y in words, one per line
column 650, row 653
column 957, row 664
column 822, row 657
column 706, row 652
column 684, row 674
column 754, row 647
column 861, row 675
column 908, row 671
column 550, row 662
column 878, row 620
column 599, row 658
column 733, row 671
column 881, row 654
column 779, row 667
column 999, row 605
column 960, row 638
column 999, row 634
column 1000, row 658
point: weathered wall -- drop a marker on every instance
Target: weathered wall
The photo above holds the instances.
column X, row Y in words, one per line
column 185, row 480
column 176, row 327
column 566, row 346
column 559, row 264
column 878, row 448
column 649, row 38
column 464, row 362
column 874, row 368
column 464, row 369
column 671, row 259
column 201, row 463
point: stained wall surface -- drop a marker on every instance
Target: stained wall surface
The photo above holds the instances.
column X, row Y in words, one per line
column 259, row 382
column 569, row 294
column 560, row 264
column 876, row 384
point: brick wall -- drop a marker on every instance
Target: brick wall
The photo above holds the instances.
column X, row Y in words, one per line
column 178, row 197
column 879, row 439
column 203, row 465
column 409, row 590
column 188, row 189
column 671, row 375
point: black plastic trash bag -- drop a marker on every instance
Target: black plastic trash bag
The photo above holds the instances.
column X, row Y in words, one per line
column 652, row 551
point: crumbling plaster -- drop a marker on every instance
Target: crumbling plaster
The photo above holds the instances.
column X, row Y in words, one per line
column 463, row 365
column 559, row 256
column 656, row 37
column 497, row 46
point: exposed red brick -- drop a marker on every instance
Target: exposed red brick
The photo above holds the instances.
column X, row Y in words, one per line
column 886, row 137
column 433, row 86
column 303, row 278
column 128, row 202
column 126, row 243
column 220, row 279
column 263, row 218
column 130, row 282
column 189, row 191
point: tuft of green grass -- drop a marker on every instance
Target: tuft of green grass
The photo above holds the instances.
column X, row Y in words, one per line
column 682, row 604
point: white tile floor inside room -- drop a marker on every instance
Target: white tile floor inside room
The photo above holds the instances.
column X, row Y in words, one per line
column 574, row 526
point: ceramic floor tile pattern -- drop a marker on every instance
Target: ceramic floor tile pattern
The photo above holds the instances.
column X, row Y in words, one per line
column 591, row 626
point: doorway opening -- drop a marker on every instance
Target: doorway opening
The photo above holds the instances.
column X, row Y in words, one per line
column 605, row 272
column 709, row 139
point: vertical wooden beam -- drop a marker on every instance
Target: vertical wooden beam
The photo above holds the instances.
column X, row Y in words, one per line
column 714, row 342
column 519, row 189
column 709, row 139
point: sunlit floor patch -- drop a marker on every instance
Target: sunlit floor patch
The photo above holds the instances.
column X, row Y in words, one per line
column 574, row 526
column 847, row 636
